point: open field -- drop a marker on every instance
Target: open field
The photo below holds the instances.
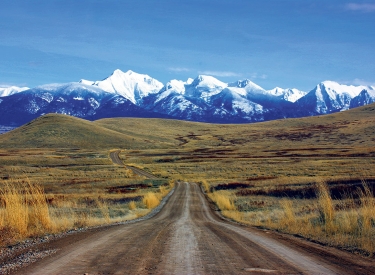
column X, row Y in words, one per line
column 78, row 188
column 272, row 168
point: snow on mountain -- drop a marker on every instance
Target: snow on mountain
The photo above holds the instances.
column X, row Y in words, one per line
column 365, row 97
column 7, row 91
column 172, row 87
column 178, row 106
column 171, row 100
column 208, row 99
column 130, row 85
column 204, row 87
column 248, row 85
column 74, row 99
column 257, row 94
column 328, row 97
column 204, row 98
column 87, row 82
column 291, row 95
column 231, row 104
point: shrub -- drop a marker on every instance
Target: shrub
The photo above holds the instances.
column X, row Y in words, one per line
column 151, row 200
column 222, row 201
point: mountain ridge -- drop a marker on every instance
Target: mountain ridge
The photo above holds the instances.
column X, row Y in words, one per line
column 204, row 99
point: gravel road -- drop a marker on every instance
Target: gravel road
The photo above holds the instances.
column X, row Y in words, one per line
column 187, row 237
column 116, row 159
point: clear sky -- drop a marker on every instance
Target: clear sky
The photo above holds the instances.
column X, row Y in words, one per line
column 285, row 43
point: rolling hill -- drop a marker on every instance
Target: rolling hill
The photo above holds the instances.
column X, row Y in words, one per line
column 62, row 131
column 349, row 128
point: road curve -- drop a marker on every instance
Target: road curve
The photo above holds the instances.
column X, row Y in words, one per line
column 186, row 237
column 115, row 156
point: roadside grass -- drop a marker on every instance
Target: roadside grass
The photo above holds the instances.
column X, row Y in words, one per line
column 54, row 190
column 27, row 211
column 24, row 210
column 347, row 222
column 151, row 200
column 223, row 201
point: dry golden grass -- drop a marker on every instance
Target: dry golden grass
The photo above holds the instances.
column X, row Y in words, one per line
column 72, row 188
column 151, row 200
column 222, row 201
column 289, row 218
column 25, row 211
column 206, row 186
column 132, row 205
column 346, row 223
column 325, row 204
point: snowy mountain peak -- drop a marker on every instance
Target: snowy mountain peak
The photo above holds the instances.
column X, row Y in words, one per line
column 6, row 91
column 189, row 81
column 130, row 85
column 241, row 83
column 176, row 85
column 330, row 96
column 119, row 72
column 204, row 86
column 248, row 85
column 291, row 95
column 86, row 82
column 333, row 88
column 209, row 81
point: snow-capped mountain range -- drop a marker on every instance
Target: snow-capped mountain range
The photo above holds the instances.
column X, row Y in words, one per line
column 205, row 98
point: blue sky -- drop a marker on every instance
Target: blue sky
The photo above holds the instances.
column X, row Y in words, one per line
column 285, row 43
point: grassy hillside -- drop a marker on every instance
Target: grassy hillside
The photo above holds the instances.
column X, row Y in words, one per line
column 353, row 127
column 339, row 145
column 61, row 131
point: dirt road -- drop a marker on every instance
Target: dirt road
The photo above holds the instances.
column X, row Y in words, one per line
column 116, row 159
column 186, row 237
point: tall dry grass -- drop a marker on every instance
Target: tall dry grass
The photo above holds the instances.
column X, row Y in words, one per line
column 206, row 186
column 132, row 205
column 289, row 218
column 222, row 201
column 24, row 209
column 347, row 223
column 325, row 205
column 151, row 200
column 103, row 207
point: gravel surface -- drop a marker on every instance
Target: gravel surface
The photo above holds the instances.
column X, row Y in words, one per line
column 24, row 260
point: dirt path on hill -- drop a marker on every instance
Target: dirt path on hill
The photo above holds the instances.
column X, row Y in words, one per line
column 115, row 156
column 186, row 237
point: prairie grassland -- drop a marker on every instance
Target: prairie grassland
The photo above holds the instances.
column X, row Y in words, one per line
column 48, row 191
